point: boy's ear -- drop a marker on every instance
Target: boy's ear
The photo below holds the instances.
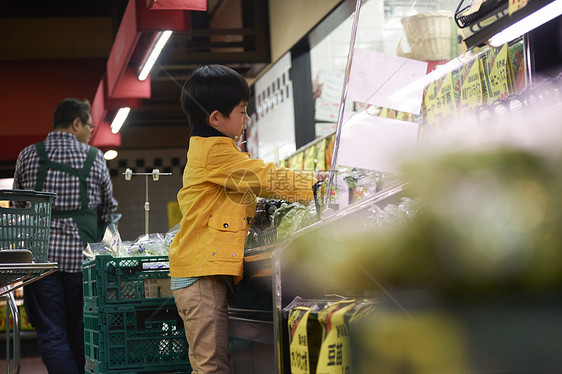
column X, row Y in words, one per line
column 214, row 118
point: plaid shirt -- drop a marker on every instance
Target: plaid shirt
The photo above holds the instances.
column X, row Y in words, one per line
column 65, row 245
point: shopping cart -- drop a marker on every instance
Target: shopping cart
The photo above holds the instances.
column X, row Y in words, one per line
column 25, row 219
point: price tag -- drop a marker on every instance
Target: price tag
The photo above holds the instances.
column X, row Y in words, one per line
column 439, row 104
column 499, row 73
column 335, row 351
column 470, row 87
column 298, row 340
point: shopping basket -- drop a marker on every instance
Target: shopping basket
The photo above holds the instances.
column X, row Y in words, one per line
column 432, row 36
column 25, row 219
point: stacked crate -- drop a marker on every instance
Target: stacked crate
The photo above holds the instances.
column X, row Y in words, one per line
column 131, row 324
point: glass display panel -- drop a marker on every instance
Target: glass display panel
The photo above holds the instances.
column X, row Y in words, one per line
column 392, row 75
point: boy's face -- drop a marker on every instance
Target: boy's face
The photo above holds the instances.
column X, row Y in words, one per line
column 234, row 126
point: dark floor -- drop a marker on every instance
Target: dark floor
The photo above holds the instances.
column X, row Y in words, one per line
column 28, row 365
column 30, row 361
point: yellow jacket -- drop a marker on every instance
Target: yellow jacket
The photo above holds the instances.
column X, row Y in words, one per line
column 218, row 203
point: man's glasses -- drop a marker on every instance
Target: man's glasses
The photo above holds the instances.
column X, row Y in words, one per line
column 90, row 124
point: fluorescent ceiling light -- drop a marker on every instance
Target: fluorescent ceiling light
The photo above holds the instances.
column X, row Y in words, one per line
column 120, row 117
column 110, row 155
column 6, row 183
column 523, row 26
column 159, row 43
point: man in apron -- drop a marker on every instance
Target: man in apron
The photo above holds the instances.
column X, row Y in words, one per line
column 64, row 163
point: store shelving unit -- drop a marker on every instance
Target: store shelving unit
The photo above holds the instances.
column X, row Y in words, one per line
column 493, row 330
column 273, row 277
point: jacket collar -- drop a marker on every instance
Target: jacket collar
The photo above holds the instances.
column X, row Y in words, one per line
column 205, row 131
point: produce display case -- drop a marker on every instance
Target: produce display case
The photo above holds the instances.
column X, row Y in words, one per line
column 273, row 277
column 436, row 279
column 451, row 281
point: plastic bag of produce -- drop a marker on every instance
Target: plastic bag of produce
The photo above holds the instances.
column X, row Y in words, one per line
column 111, row 244
column 147, row 245
column 297, row 218
column 169, row 237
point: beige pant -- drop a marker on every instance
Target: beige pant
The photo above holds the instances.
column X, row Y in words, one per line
column 203, row 308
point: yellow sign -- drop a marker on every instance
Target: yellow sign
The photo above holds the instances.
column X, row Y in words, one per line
column 499, row 73
column 515, row 5
column 403, row 116
column 174, row 213
column 298, row 340
column 321, row 155
column 483, row 80
column 439, row 103
column 383, row 112
column 335, row 351
column 310, row 158
column 329, row 150
column 470, row 87
column 296, row 161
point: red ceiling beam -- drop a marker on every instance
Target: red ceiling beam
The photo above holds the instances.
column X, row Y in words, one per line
column 136, row 20
column 99, row 110
column 120, row 86
column 177, row 4
column 102, row 137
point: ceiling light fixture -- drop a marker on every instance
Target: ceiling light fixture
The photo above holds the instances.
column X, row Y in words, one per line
column 120, row 117
column 489, row 34
column 531, row 22
column 154, row 50
column 110, row 154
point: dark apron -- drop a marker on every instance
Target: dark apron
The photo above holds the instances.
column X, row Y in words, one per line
column 86, row 219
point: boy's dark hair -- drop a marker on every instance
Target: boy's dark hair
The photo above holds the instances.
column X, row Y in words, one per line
column 69, row 109
column 212, row 87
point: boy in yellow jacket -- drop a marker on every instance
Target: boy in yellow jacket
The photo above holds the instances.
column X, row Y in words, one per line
column 218, row 202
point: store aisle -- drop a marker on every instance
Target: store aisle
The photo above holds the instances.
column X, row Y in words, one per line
column 28, row 365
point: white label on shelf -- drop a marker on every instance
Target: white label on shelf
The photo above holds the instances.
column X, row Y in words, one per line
column 159, row 287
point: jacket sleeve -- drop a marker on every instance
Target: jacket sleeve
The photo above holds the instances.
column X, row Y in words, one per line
column 236, row 171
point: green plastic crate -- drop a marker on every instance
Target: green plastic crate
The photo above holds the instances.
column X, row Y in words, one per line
column 126, row 280
column 26, row 223
column 121, row 339
column 134, row 371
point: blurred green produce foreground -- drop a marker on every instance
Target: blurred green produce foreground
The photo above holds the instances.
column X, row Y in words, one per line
column 489, row 215
column 468, row 278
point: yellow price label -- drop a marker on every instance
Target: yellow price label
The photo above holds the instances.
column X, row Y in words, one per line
column 335, row 351
column 471, row 93
column 298, row 340
column 499, row 73
column 439, row 103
